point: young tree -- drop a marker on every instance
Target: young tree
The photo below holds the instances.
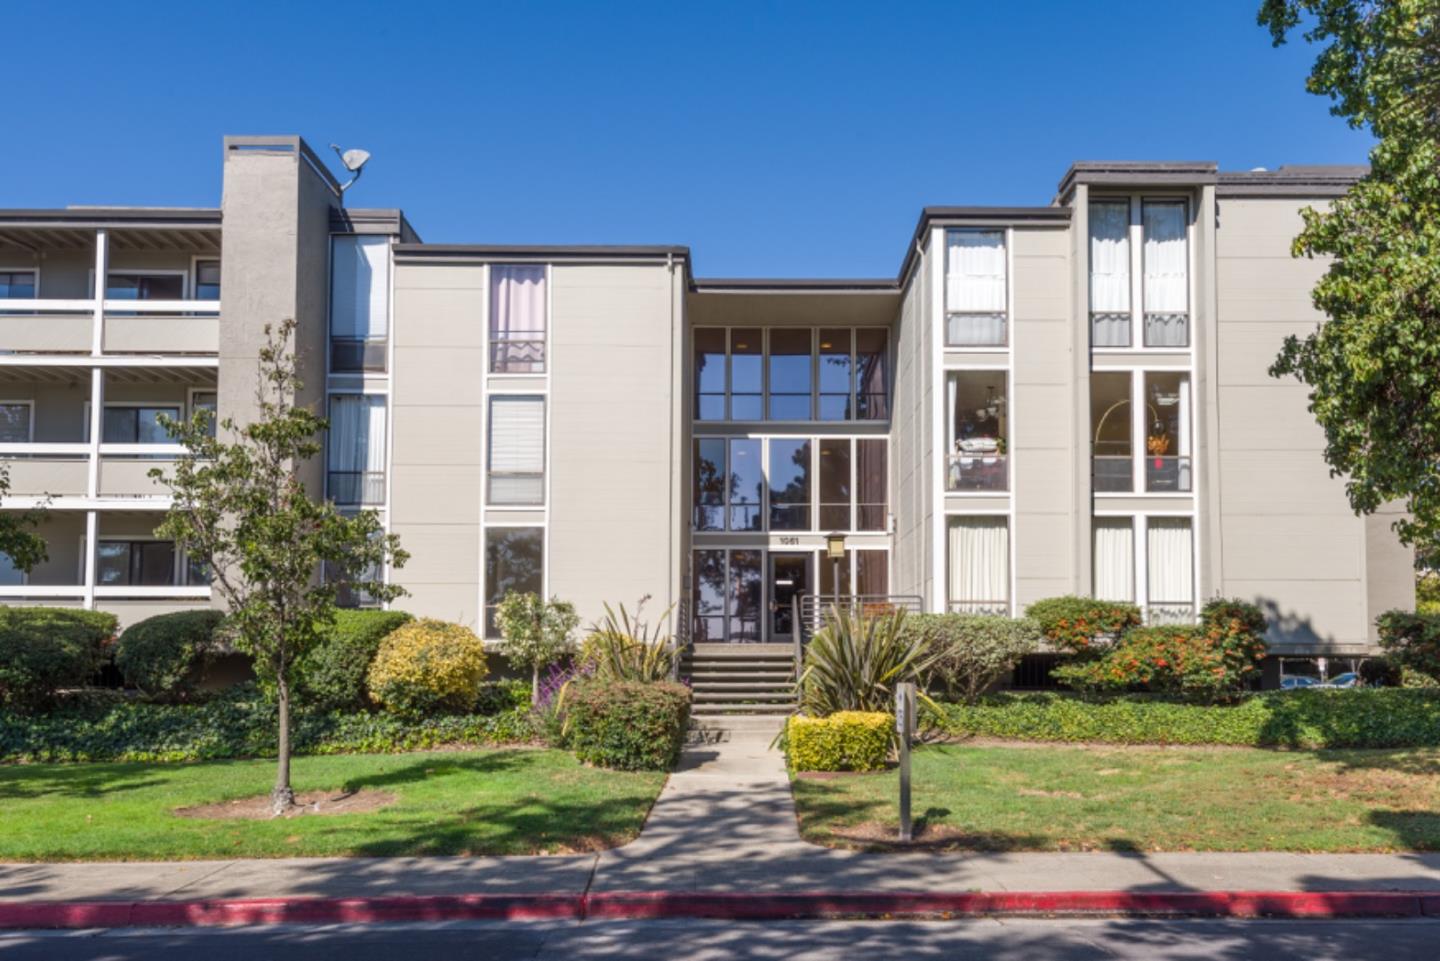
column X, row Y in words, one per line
column 18, row 540
column 277, row 556
column 537, row 632
column 1373, row 366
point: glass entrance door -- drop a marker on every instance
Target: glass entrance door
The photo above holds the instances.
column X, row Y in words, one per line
column 789, row 577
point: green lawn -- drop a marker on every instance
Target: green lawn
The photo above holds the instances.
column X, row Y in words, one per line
column 472, row 802
column 1137, row 799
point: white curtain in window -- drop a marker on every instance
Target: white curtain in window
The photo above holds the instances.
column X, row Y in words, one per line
column 1166, row 268
column 979, row 559
column 1170, row 551
column 517, row 450
column 975, row 271
column 359, row 287
column 1114, row 559
column 1110, row 257
column 357, row 448
column 517, row 302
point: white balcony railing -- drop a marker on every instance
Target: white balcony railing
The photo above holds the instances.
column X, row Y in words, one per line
column 988, row 608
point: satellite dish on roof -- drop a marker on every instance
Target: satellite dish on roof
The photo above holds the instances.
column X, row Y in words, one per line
column 354, row 161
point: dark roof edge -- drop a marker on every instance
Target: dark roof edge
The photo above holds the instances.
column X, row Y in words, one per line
column 1136, row 173
column 1291, row 181
column 975, row 217
column 366, row 220
column 794, row 285
column 488, row 253
column 169, row 217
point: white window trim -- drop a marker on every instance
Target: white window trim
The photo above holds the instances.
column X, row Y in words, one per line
column 490, row 398
column 1007, row 238
column 1137, row 203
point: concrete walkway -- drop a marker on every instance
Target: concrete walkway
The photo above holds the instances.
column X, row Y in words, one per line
column 725, row 822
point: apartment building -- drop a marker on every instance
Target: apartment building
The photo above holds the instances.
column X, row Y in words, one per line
column 1065, row 398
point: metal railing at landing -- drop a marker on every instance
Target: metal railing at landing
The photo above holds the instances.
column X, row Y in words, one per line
column 808, row 612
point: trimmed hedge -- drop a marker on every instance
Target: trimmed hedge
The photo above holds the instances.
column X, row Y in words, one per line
column 241, row 724
column 159, row 655
column 1361, row 718
column 844, row 741
column 626, row 725
column 332, row 674
column 44, row 649
column 428, row 667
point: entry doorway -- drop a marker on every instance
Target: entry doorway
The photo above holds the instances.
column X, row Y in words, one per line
column 790, row 575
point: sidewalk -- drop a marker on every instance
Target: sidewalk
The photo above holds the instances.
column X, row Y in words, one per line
column 724, row 826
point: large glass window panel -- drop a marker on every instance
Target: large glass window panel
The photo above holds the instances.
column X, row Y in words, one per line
column 975, row 295
column 746, row 576
column 746, row 485
column 791, row 360
column 872, row 573
column 1110, row 273
column 144, row 286
column 207, row 280
column 747, row 374
column 356, row 449
column 17, row 284
column 517, row 319
column 14, row 423
column 121, row 563
column 836, row 389
column 834, row 484
column 1167, row 274
column 517, row 450
column 789, row 484
column 514, row 561
column 872, row 394
column 709, row 488
column 136, row 425
column 979, row 565
column 1112, row 467
column 979, row 430
column 871, row 481
column 830, row 568
column 710, row 373
column 1168, row 466
column 1113, row 558
column 1170, row 588
column 709, row 596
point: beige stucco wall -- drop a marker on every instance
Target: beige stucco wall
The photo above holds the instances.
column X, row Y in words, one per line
column 1288, row 539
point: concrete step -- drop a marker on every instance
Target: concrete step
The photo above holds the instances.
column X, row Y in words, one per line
column 741, row 697
column 699, row 685
column 718, row 727
column 733, row 675
column 723, row 710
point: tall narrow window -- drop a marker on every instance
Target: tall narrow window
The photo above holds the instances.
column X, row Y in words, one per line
column 1110, row 273
column 1113, row 558
column 745, row 592
column 359, row 303
column 834, row 576
column 1167, row 431
column 789, row 485
column 17, row 284
column 834, row 483
column 871, row 481
column 791, row 357
column 710, row 373
column 746, row 485
column 517, row 450
column 979, row 565
column 709, row 596
column 514, row 561
column 836, row 388
column 1167, row 274
column 710, row 476
column 747, row 374
column 978, row 406
column 517, row 319
column 207, row 280
column 205, row 400
column 872, row 395
column 1170, row 556
column 872, row 573
column 975, row 300
column 356, row 449
column 1112, row 467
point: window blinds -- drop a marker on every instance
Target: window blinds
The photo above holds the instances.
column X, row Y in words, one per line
column 517, row 450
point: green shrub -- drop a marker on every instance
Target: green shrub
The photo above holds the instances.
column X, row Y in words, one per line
column 1413, row 640
column 509, row 694
column 972, row 651
column 1427, row 593
column 161, row 655
column 1361, row 718
column 1381, row 672
column 854, row 662
column 43, row 649
column 625, row 648
column 537, row 632
column 332, row 673
column 1234, row 615
column 844, row 741
column 626, row 725
column 1213, row 662
column 426, row 667
column 240, row 723
column 1082, row 625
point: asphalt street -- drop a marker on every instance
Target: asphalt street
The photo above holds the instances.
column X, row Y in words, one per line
column 1027, row 939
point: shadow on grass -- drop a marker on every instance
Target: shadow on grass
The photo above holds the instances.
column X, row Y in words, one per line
column 25, row 782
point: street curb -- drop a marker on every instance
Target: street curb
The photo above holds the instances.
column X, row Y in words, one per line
column 652, row 905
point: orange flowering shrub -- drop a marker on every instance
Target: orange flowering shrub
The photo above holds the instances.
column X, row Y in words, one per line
column 1082, row 625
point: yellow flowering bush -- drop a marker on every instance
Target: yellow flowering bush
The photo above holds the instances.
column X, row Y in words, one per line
column 844, row 741
column 426, row 667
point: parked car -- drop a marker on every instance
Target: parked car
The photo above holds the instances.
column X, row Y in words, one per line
column 1296, row 681
column 1348, row 679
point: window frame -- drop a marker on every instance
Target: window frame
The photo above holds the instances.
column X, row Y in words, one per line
column 1136, row 237
column 384, row 475
column 182, row 273
column 180, row 407
column 195, row 263
column 486, row 607
column 957, row 373
column 34, row 272
column 1006, row 313
column 1138, row 375
column 491, row 341
column 1140, row 565
column 541, row 475
column 29, row 404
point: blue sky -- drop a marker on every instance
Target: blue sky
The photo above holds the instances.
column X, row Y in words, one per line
column 776, row 139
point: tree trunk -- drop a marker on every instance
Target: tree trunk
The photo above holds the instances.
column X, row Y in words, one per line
column 282, row 798
column 534, row 684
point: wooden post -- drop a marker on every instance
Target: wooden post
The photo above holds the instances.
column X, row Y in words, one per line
column 904, row 728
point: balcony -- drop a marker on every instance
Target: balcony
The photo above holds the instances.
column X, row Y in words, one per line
column 47, row 326
column 40, row 469
column 982, row 472
column 43, row 326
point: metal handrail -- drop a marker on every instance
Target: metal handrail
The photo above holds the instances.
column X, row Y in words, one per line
column 808, row 612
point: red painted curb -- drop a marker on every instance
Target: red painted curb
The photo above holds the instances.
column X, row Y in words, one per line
column 738, row 906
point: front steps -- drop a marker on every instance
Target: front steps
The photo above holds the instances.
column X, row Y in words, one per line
column 732, row 681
